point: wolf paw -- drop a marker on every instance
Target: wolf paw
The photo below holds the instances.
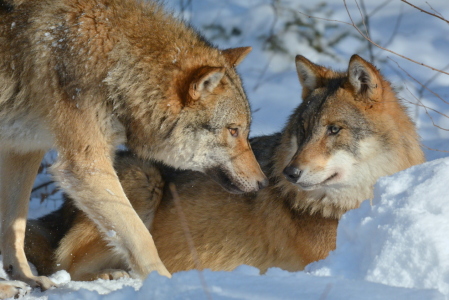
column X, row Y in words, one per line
column 111, row 274
column 42, row 282
column 13, row 288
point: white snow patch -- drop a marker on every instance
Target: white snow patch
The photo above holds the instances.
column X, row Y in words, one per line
column 402, row 240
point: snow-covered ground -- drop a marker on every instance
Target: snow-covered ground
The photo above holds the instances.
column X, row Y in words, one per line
column 400, row 238
column 397, row 246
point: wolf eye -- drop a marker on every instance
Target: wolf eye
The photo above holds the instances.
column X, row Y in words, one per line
column 333, row 129
column 234, row 132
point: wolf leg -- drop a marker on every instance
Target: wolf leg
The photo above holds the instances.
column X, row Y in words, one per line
column 85, row 171
column 83, row 251
column 98, row 193
column 17, row 174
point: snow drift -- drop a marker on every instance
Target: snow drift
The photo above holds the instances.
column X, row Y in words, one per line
column 400, row 240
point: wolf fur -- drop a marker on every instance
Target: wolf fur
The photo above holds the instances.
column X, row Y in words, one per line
column 84, row 76
column 349, row 130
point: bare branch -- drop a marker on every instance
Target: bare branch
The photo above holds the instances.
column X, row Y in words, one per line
column 425, row 84
column 378, row 8
column 426, row 12
column 363, row 16
column 437, row 12
column 433, row 149
column 325, row 19
column 271, row 34
column 42, row 185
column 371, row 41
column 417, row 81
column 262, row 74
column 395, row 29
column 365, row 20
column 326, row 291
column 426, row 108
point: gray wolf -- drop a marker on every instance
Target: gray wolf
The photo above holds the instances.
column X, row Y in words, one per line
column 349, row 130
column 84, row 76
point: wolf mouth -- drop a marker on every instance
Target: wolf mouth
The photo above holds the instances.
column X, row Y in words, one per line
column 330, row 178
column 313, row 186
column 221, row 177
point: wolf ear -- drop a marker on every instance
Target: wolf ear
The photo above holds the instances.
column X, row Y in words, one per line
column 235, row 55
column 309, row 75
column 365, row 78
column 205, row 80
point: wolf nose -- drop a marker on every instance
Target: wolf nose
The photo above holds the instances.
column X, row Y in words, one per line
column 262, row 184
column 292, row 173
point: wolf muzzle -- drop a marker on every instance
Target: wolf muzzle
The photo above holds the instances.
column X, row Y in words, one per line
column 292, row 173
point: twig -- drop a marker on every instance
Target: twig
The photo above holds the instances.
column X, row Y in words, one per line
column 262, row 74
column 186, row 6
column 388, row 50
column 270, row 35
column 437, row 12
column 417, row 81
column 396, row 28
column 365, row 19
column 432, row 149
column 371, row 41
column 363, row 16
column 420, row 104
column 425, row 84
column 42, row 185
column 426, row 108
column 425, row 11
column 189, row 238
column 378, row 8
column 326, row 291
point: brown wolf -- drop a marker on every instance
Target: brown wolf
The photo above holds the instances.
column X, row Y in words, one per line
column 83, row 76
column 349, row 130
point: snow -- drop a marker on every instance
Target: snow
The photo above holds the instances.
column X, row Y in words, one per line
column 401, row 239
column 242, row 283
column 393, row 247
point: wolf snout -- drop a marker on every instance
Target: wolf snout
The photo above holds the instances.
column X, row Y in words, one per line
column 262, row 183
column 256, row 184
column 292, row 173
column 253, row 186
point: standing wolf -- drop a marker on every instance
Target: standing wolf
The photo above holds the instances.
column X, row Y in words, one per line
column 349, row 130
column 83, row 76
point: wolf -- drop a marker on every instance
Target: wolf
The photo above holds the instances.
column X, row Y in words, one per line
column 349, row 130
column 85, row 76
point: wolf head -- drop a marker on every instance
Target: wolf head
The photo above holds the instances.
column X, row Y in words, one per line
column 349, row 130
column 202, row 121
